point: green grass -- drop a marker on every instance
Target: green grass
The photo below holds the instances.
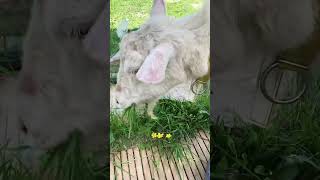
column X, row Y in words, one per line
column 288, row 150
column 65, row 162
column 181, row 119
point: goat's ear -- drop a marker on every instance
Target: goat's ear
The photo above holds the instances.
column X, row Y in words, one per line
column 115, row 58
column 158, row 8
column 95, row 42
column 154, row 67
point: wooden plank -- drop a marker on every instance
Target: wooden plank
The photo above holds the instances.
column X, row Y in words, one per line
column 173, row 167
column 125, row 165
column 196, row 158
column 153, row 169
column 203, row 147
column 138, row 163
column 158, row 163
column 204, row 135
column 205, row 139
column 182, row 172
column 112, row 175
column 166, row 167
column 187, row 167
column 202, row 157
column 117, row 164
column 207, row 144
column 145, row 164
column 132, row 167
column 192, row 161
column 206, row 153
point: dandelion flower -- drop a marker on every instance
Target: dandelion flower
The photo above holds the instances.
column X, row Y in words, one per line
column 154, row 135
column 168, row 136
column 160, row 135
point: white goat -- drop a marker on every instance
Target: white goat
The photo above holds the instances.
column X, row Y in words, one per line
column 61, row 87
column 247, row 37
column 163, row 54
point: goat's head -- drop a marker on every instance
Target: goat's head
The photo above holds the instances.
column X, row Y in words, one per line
column 63, row 51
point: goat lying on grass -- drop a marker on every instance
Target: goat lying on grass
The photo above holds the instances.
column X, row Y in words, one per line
column 163, row 54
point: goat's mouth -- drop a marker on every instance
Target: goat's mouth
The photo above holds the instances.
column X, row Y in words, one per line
column 123, row 108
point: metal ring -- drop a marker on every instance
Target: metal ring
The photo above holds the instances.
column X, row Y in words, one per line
column 193, row 85
column 263, row 79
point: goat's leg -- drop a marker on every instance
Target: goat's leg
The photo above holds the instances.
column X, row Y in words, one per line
column 150, row 109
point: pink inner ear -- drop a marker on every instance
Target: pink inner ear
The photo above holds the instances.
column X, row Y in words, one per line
column 154, row 67
column 153, row 70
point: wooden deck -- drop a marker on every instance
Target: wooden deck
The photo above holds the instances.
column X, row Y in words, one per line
column 136, row 164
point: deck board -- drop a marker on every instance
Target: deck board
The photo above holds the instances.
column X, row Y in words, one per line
column 118, row 168
column 158, row 163
column 166, row 168
column 150, row 165
column 153, row 169
column 132, row 166
column 138, row 163
column 174, row 169
column 197, row 160
column 145, row 164
column 112, row 175
column 125, row 165
column 182, row 172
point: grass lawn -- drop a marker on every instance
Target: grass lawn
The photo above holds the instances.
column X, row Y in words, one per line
column 180, row 119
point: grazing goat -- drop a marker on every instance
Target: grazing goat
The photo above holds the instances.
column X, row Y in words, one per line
column 162, row 54
column 61, row 87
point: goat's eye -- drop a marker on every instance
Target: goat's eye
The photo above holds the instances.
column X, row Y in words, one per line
column 79, row 33
column 117, row 101
column 75, row 28
column 135, row 71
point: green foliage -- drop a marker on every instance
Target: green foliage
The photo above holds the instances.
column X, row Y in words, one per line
column 181, row 119
column 288, row 150
column 65, row 162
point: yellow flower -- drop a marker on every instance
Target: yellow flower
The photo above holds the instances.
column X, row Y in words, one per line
column 160, row 135
column 154, row 135
column 168, row 136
